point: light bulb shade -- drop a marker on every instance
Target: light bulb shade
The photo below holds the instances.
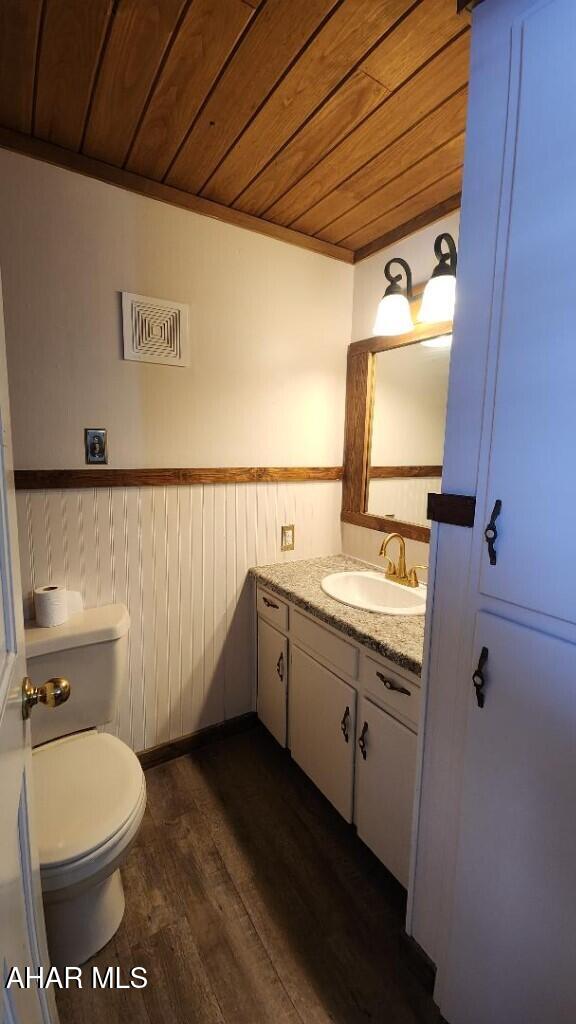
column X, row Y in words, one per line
column 438, row 299
column 393, row 316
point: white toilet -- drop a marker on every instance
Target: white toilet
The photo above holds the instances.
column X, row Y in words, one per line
column 90, row 792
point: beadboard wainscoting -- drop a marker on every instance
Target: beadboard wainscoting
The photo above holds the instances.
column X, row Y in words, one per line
column 178, row 557
column 404, row 499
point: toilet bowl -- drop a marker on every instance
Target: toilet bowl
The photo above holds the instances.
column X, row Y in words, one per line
column 90, row 796
column 89, row 787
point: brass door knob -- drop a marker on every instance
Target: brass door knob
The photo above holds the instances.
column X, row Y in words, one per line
column 52, row 693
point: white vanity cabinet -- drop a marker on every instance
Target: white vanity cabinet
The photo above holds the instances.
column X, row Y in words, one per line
column 349, row 719
column 322, row 712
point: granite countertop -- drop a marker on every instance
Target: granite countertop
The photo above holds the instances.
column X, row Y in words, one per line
column 397, row 637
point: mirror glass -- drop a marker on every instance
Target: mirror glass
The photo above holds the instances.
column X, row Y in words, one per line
column 408, row 423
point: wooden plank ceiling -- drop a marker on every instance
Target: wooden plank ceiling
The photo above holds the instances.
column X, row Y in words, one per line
column 335, row 124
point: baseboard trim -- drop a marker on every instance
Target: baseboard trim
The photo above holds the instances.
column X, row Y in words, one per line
column 177, row 748
column 419, row 962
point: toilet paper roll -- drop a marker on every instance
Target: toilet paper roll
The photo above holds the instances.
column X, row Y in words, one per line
column 53, row 605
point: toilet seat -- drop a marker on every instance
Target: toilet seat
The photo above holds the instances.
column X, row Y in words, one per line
column 90, row 800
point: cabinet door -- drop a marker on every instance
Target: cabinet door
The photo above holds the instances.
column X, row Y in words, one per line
column 322, row 712
column 511, row 957
column 272, row 680
column 385, row 777
column 533, row 419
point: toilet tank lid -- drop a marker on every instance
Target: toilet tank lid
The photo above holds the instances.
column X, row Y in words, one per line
column 92, row 626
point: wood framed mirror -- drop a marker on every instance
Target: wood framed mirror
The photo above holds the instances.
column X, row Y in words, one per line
column 396, row 391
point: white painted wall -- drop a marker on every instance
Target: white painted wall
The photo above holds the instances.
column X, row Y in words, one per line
column 270, row 326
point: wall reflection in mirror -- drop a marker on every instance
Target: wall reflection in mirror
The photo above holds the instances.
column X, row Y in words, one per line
column 408, row 424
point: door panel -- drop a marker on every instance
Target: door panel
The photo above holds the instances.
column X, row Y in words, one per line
column 385, row 788
column 530, row 469
column 22, row 934
column 318, row 702
column 272, row 680
column 515, row 896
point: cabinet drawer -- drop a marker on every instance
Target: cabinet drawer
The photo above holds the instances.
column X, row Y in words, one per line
column 400, row 697
column 272, row 608
column 343, row 656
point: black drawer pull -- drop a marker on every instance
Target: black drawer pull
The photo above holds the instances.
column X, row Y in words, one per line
column 478, row 677
column 345, row 723
column 280, row 667
column 391, row 685
column 491, row 533
column 269, row 604
column 362, row 741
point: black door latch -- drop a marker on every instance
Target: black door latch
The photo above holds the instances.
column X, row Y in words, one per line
column 478, row 677
column 491, row 533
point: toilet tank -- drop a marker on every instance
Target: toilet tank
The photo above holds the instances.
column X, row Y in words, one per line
column 90, row 652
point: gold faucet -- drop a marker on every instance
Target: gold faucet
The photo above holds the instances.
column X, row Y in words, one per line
column 397, row 571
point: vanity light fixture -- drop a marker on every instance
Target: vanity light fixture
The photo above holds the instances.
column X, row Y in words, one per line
column 440, row 292
column 442, row 341
column 393, row 316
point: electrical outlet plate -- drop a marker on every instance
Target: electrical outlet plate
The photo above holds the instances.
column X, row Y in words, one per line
column 287, row 538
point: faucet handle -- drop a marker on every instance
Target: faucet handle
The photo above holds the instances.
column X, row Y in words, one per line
column 391, row 570
column 413, row 575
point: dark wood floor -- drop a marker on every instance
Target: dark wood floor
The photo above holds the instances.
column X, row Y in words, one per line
column 249, row 901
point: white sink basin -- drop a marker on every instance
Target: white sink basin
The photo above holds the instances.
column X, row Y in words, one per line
column 373, row 592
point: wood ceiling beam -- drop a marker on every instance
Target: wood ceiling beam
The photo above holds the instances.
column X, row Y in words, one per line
column 409, row 149
column 19, row 34
column 431, row 168
column 49, row 153
column 429, row 87
column 72, row 44
column 411, row 42
column 139, row 41
column 409, row 227
column 208, row 35
column 276, row 39
column 330, row 58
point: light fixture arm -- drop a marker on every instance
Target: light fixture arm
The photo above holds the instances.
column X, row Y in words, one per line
column 394, row 287
column 448, row 260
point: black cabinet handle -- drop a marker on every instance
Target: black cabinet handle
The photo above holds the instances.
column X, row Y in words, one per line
column 344, row 724
column 478, row 677
column 280, row 667
column 491, row 533
column 362, row 740
column 391, row 685
column 269, row 604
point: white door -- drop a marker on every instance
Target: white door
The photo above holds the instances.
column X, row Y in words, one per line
column 533, row 417
column 385, row 776
column 322, row 713
column 22, row 936
column 512, row 954
column 272, row 677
